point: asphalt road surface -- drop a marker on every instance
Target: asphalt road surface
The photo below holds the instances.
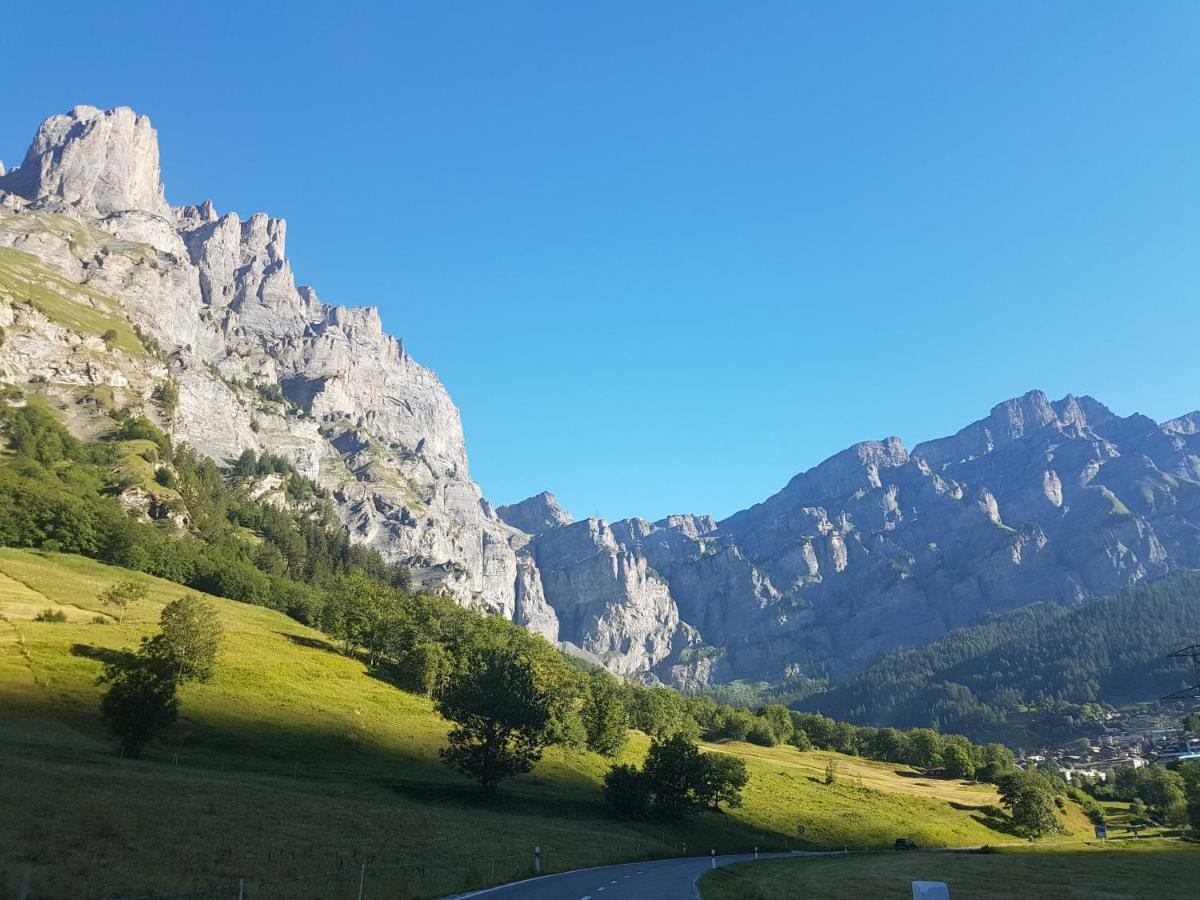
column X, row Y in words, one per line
column 666, row 879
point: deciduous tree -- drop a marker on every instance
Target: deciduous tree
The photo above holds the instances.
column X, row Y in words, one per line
column 501, row 715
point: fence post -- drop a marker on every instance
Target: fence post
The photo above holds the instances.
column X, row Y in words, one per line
column 362, row 881
column 537, row 860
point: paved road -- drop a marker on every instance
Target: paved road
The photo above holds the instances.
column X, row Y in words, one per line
column 667, row 879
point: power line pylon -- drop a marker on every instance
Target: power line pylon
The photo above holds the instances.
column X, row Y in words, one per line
column 1192, row 653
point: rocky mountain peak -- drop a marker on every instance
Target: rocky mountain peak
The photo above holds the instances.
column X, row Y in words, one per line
column 92, row 160
column 535, row 514
column 856, row 467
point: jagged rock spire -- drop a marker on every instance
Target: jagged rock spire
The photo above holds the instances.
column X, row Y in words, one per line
column 101, row 161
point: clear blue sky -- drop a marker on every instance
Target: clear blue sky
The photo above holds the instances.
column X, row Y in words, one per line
column 666, row 255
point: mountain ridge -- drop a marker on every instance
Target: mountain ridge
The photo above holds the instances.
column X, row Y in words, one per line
column 875, row 547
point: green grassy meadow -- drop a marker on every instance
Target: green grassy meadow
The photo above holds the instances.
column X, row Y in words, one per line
column 295, row 759
column 1115, row 870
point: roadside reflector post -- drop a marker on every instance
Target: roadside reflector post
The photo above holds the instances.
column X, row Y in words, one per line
column 537, row 860
column 714, row 858
column 930, row 890
column 685, row 848
column 756, row 853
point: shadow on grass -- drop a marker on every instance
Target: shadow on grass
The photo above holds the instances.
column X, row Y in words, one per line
column 312, row 643
column 993, row 818
column 967, row 807
column 106, row 655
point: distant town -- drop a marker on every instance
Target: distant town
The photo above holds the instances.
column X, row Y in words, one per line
column 1127, row 740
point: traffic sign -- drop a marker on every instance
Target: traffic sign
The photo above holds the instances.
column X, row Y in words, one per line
column 1101, row 832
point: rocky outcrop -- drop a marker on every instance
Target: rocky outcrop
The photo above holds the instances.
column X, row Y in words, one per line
column 94, row 162
column 608, row 599
column 876, row 547
column 535, row 514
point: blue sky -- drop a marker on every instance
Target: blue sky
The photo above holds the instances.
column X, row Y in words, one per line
column 666, row 255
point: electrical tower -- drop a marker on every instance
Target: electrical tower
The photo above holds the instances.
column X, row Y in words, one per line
column 1192, row 653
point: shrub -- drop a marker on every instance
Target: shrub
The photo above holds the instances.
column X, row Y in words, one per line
column 189, row 639
column 140, row 428
column 140, row 702
column 123, row 594
column 51, row 615
column 627, row 792
column 166, row 395
column 761, row 733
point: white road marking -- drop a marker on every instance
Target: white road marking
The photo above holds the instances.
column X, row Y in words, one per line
column 614, row 881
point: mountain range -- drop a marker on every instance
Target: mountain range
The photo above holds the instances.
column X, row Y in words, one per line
column 113, row 299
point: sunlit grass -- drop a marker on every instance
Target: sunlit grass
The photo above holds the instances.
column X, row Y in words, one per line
column 296, row 759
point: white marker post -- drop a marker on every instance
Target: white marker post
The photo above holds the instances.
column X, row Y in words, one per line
column 537, row 860
column 930, row 890
column 714, row 858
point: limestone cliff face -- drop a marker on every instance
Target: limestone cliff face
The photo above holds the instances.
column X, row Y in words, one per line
column 258, row 361
column 876, row 547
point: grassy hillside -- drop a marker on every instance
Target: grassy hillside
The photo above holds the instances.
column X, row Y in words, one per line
column 1162, row 869
column 294, row 759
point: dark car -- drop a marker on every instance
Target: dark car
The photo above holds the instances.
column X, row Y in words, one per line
column 906, row 844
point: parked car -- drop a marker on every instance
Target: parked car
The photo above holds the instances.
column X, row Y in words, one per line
column 906, row 844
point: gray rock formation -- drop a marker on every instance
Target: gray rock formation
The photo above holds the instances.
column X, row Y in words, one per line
column 874, row 548
column 93, row 161
column 535, row 514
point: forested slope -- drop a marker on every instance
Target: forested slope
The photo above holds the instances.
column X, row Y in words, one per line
column 1044, row 658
